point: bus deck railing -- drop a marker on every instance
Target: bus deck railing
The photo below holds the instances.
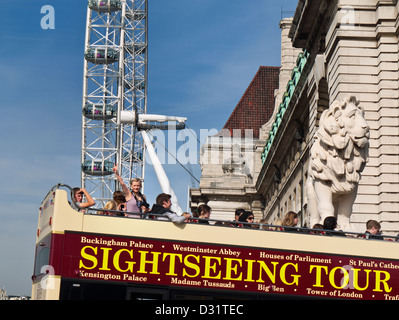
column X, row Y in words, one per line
column 228, row 223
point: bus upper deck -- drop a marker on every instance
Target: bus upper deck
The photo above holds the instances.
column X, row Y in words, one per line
column 85, row 256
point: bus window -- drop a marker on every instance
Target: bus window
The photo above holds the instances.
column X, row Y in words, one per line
column 73, row 289
column 42, row 256
column 134, row 293
column 205, row 295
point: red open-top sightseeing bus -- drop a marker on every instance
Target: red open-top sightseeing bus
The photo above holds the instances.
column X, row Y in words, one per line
column 93, row 256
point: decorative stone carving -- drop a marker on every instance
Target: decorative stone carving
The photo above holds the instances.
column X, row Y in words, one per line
column 338, row 157
column 236, row 165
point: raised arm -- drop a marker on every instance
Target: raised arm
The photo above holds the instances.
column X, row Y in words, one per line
column 89, row 200
column 125, row 189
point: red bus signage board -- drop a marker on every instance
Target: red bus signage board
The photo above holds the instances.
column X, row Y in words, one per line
column 194, row 265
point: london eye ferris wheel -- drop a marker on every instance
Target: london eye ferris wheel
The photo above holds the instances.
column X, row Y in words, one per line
column 114, row 107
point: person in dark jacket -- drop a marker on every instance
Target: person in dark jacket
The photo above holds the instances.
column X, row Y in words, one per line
column 373, row 230
column 162, row 206
column 330, row 224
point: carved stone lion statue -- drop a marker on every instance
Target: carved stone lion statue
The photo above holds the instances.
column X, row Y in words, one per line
column 338, row 156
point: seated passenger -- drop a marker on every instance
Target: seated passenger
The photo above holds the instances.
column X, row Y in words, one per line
column 78, row 194
column 204, row 212
column 110, row 205
column 290, row 220
column 120, row 200
column 373, row 230
column 246, row 217
column 263, row 225
column 251, row 219
column 163, row 205
column 237, row 215
column 195, row 214
column 276, row 225
column 330, row 224
column 316, row 229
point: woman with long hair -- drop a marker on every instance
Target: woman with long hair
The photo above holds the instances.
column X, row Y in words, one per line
column 290, row 220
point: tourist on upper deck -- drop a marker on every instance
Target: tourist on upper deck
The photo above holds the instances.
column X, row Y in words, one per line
column 330, row 224
column 263, row 225
column 373, row 230
column 110, row 205
column 141, row 200
column 135, row 200
column 246, row 217
column 163, row 205
column 315, row 229
column 204, row 212
column 120, row 200
column 237, row 215
column 290, row 221
column 277, row 225
column 77, row 194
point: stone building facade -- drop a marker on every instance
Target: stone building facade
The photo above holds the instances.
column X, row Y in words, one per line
column 230, row 160
column 331, row 50
column 351, row 49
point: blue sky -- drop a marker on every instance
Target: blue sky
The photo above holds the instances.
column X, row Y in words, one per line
column 203, row 55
